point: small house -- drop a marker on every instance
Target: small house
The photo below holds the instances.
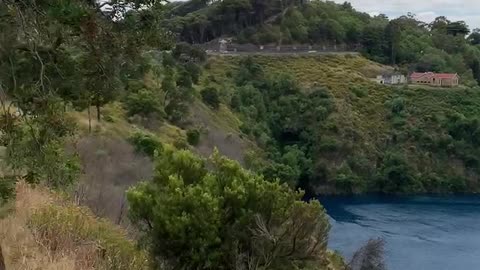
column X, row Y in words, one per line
column 394, row 78
column 435, row 79
column 223, row 46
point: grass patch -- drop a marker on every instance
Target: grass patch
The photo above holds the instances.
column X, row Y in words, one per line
column 3, row 155
column 45, row 232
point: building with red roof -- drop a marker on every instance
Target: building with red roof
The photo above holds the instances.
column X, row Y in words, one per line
column 435, row 79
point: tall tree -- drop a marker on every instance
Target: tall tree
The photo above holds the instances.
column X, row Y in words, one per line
column 474, row 37
column 458, row 28
column 58, row 52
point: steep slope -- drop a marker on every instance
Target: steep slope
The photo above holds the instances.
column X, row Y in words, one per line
column 378, row 138
column 43, row 231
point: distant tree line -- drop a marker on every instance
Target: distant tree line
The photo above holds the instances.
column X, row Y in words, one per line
column 439, row 46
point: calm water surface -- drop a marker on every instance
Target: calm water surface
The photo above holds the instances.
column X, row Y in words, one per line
column 425, row 233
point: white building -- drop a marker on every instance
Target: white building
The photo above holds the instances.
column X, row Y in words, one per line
column 394, row 78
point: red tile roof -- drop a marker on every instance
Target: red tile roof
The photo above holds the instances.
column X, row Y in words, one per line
column 445, row 75
column 417, row 75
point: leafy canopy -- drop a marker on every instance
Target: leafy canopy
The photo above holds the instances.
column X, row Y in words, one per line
column 225, row 216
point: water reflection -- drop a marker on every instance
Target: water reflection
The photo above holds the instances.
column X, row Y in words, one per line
column 425, row 232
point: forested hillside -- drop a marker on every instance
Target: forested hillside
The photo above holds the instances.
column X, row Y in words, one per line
column 324, row 125
column 96, row 108
column 438, row 46
column 112, row 107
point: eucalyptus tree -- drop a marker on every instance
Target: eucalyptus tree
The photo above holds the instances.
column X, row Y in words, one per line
column 54, row 53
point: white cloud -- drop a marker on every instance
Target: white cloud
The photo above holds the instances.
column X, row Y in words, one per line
column 427, row 16
column 465, row 10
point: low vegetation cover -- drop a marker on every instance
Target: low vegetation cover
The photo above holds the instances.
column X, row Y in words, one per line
column 327, row 128
column 43, row 231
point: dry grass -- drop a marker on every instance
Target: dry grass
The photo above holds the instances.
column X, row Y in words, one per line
column 110, row 167
column 20, row 248
column 2, row 161
column 46, row 232
column 116, row 125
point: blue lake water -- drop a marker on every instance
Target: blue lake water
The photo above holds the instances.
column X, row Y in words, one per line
column 425, row 233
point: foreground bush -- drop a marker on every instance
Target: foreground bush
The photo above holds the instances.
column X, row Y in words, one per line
column 226, row 217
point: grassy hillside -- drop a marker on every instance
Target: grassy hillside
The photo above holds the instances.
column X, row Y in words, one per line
column 393, row 139
column 43, row 231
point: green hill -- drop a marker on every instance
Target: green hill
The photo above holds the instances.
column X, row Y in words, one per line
column 414, row 45
column 375, row 138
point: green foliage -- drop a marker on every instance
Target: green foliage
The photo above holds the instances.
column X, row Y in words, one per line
column 377, row 139
column 281, row 117
column 359, row 91
column 56, row 55
column 397, row 105
column 36, row 145
column 198, row 218
column 177, row 92
column 211, row 97
column 440, row 46
column 193, row 136
column 145, row 143
column 184, row 52
column 395, row 175
column 347, row 181
column 144, row 103
column 7, row 188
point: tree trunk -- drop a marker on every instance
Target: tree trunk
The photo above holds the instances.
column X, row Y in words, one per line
column 122, row 208
column 98, row 112
column 89, row 120
column 2, row 261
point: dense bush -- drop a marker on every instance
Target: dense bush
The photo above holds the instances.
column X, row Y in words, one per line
column 144, row 103
column 225, row 217
column 193, row 136
column 396, row 175
column 211, row 97
column 282, row 118
column 7, row 188
column 146, row 143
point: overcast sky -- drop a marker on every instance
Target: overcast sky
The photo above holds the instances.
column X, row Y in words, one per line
column 426, row 10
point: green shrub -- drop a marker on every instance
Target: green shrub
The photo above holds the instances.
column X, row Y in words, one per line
column 457, row 184
column 359, row 91
column 346, row 181
column 211, row 97
column 397, row 105
column 7, row 188
column 194, row 70
column 145, row 143
column 193, row 136
column 198, row 216
column 144, row 103
column 329, row 145
column 396, row 174
column 180, row 143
